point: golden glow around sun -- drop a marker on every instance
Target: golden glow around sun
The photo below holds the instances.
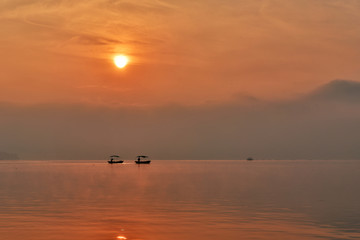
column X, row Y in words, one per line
column 121, row 61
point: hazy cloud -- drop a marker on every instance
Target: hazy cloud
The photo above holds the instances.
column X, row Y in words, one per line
column 186, row 52
column 302, row 129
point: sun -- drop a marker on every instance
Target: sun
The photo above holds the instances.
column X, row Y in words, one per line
column 121, row 61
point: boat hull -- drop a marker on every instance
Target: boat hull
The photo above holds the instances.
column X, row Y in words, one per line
column 111, row 162
column 143, row 162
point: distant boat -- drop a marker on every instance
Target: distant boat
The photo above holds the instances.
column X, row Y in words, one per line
column 112, row 159
column 141, row 160
column 250, row 159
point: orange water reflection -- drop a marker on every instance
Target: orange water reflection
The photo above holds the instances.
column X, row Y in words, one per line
column 202, row 200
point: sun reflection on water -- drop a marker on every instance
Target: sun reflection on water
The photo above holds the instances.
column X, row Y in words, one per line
column 235, row 200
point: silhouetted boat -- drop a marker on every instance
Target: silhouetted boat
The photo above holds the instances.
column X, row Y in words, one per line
column 112, row 157
column 249, row 159
column 140, row 161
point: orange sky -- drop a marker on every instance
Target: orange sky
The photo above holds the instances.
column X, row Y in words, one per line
column 185, row 52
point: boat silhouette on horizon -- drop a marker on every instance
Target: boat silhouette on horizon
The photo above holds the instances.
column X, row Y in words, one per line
column 112, row 159
column 142, row 160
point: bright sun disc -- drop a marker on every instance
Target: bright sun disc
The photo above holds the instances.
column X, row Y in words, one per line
column 121, row 61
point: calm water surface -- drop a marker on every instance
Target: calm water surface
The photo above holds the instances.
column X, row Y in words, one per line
column 173, row 200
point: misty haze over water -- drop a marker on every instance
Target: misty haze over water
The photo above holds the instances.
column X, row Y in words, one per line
column 325, row 124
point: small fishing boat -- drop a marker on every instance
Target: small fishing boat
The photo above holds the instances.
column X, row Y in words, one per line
column 112, row 159
column 249, row 159
column 142, row 160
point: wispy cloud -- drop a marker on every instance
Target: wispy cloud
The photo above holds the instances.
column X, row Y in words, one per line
column 221, row 47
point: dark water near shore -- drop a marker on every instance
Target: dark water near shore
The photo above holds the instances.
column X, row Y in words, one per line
column 173, row 200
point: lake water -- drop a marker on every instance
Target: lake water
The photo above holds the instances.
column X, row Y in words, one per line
column 179, row 200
